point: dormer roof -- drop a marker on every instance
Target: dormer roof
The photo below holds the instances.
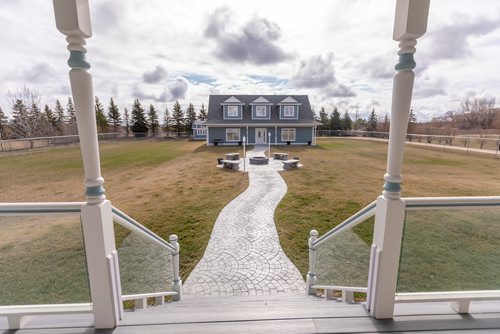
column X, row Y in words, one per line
column 289, row 100
column 232, row 101
column 261, row 100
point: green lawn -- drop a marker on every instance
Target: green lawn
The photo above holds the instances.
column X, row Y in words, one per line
column 341, row 176
column 174, row 187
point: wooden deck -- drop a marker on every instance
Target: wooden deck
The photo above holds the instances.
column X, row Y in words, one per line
column 278, row 314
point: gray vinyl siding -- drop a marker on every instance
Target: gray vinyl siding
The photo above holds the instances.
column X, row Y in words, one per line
column 220, row 133
column 239, row 116
column 302, row 135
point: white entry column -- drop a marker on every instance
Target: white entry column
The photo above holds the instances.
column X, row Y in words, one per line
column 410, row 23
column 73, row 20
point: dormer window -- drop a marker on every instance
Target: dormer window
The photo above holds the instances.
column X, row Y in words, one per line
column 232, row 111
column 260, row 111
column 288, row 111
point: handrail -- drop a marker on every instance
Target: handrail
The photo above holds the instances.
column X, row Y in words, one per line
column 128, row 222
column 360, row 216
column 40, row 208
column 422, row 203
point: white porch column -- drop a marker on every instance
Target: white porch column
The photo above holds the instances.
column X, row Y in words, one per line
column 410, row 23
column 73, row 20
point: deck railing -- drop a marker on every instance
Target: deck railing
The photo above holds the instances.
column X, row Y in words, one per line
column 339, row 260
column 450, row 251
column 147, row 263
column 44, row 265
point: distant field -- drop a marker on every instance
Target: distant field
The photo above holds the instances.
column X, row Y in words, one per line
column 174, row 187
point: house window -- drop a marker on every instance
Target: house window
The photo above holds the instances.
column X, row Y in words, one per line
column 287, row 134
column 288, row 111
column 232, row 111
column 232, row 134
column 260, row 111
column 201, row 131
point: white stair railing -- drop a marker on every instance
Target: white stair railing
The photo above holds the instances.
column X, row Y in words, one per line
column 172, row 247
column 315, row 243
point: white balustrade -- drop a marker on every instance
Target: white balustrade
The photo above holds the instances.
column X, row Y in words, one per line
column 313, row 253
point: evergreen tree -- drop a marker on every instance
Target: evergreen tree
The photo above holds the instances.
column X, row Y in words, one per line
column 412, row 122
column 100, row 118
column 3, row 125
column 70, row 110
column 153, row 120
column 372, row 121
column 138, row 121
column 50, row 120
column 114, row 115
column 190, row 118
column 346, row 121
column 323, row 118
column 127, row 122
column 335, row 123
column 203, row 113
column 20, row 119
column 178, row 117
column 59, row 113
column 36, row 120
column 167, row 121
column 386, row 124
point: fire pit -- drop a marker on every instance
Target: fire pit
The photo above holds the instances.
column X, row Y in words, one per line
column 259, row 161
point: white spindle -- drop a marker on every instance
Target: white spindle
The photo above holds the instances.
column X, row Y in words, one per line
column 73, row 20
column 311, row 274
column 410, row 23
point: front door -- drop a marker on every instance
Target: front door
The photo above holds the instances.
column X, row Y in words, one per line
column 260, row 135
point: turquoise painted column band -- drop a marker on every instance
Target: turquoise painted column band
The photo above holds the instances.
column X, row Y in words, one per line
column 95, row 191
column 392, row 186
column 77, row 60
column 406, row 62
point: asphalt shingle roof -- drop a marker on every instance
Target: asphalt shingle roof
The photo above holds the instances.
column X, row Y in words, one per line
column 215, row 113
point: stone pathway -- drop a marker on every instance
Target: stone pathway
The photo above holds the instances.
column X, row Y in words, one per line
column 243, row 256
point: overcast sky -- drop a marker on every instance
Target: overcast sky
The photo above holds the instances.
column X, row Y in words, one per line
column 338, row 52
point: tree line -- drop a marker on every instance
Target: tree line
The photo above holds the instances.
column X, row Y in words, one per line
column 337, row 121
column 29, row 120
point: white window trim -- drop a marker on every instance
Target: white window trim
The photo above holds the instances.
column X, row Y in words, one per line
column 294, row 130
column 232, row 107
column 201, row 131
column 254, row 111
column 233, row 140
column 262, row 110
column 282, row 112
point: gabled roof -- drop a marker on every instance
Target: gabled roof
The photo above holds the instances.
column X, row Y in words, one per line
column 261, row 99
column 232, row 99
column 289, row 100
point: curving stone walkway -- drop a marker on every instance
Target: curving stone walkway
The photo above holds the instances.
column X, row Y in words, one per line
column 243, row 256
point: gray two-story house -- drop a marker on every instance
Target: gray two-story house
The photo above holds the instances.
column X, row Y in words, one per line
column 262, row 119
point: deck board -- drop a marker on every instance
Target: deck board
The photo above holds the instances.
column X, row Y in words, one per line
column 278, row 314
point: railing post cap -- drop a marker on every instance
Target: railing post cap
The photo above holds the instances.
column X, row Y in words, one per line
column 313, row 233
column 73, row 17
column 410, row 19
column 173, row 237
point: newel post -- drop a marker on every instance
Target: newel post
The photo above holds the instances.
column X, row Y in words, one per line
column 313, row 253
column 73, row 20
column 176, row 282
column 410, row 23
